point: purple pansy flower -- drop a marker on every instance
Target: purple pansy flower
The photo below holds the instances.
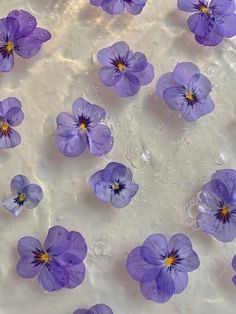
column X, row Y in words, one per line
column 58, row 263
column 186, row 90
column 217, row 214
column 11, row 116
column 211, row 21
column 162, row 267
column 234, row 268
column 96, row 309
column 25, row 194
column 83, row 128
column 124, row 70
column 19, row 33
column 114, row 7
column 114, row 184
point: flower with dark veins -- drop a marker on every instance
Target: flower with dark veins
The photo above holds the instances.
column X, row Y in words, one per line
column 114, row 7
column 19, row 33
column 114, row 184
column 96, row 309
column 25, row 195
column 162, row 266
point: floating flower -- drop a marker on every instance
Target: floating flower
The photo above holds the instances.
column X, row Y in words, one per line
column 114, row 184
column 234, row 268
column 58, row 263
column 19, row 33
column 96, row 309
column 186, row 90
column 11, row 116
column 83, row 128
column 124, row 70
column 217, row 214
column 114, row 7
column 162, row 267
column 25, row 194
column 211, row 22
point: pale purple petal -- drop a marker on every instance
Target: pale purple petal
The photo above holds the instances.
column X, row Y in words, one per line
column 42, row 34
column 7, row 104
column 201, row 85
column 109, row 76
column 9, row 27
column 66, row 124
column 138, row 62
column 228, row 178
column 234, row 280
column 165, row 81
column 174, row 97
column 34, row 195
column 234, row 263
column 219, row 189
column 154, row 248
column 183, row 72
column 27, row 47
column 228, row 28
column 53, row 277
column 121, row 199
column 27, row 245
column 188, row 5
column 219, row 7
column 96, row 2
column 26, row 269
column 81, row 311
column 199, row 25
column 100, row 309
column 180, row 280
column 76, row 275
column 103, row 191
column 100, row 140
column 27, row 22
column 128, row 85
column 18, row 183
column 192, row 113
column 113, row 7
column 146, row 76
column 213, row 38
column 132, row 188
column 119, row 49
column 12, row 206
column 58, row 240
column 135, row 7
column 14, row 116
column 10, row 141
column 136, row 265
column 71, row 146
column 6, row 63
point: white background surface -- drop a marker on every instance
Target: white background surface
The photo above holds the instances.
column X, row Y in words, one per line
column 181, row 158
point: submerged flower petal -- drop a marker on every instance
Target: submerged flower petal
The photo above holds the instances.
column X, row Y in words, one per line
column 128, row 85
column 100, row 309
column 113, row 7
column 164, row 82
column 146, row 76
column 27, row 47
column 188, row 5
column 117, row 50
column 135, row 7
column 109, row 76
column 183, row 72
column 58, row 240
column 76, row 275
column 18, row 183
column 71, row 146
column 10, row 140
column 100, row 140
column 27, row 22
column 12, row 206
column 41, row 34
column 153, row 248
column 34, row 195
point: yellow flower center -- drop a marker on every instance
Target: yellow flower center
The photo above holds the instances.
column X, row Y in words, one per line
column 189, row 95
column 169, row 261
column 116, row 186
column 121, row 67
column 4, row 126
column 22, row 197
column 9, row 46
column 204, row 9
column 44, row 257
column 82, row 126
column 225, row 210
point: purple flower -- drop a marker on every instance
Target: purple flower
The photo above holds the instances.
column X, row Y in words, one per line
column 234, row 268
column 19, row 33
column 162, row 267
column 83, row 128
column 186, row 90
column 124, row 70
column 58, row 263
column 96, row 309
column 114, row 184
column 217, row 214
column 211, row 22
column 114, row 7
column 25, row 194
column 11, row 115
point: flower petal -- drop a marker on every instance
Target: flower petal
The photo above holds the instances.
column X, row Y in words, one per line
column 234, row 263
column 109, row 76
column 18, row 183
column 228, row 178
column 188, row 5
column 76, row 275
column 180, row 280
column 199, row 24
column 9, row 28
column 213, row 38
column 41, row 34
column 103, row 191
column 219, row 189
column 100, row 140
column 26, row 247
column 192, row 113
column 174, row 97
column 27, row 22
column 118, row 50
column 128, row 85
column 14, row 116
column 6, row 63
column 165, row 81
column 154, row 248
column 11, row 205
column 132, row 188
column 135, row 7
column 219, row 7
column 58, row 240
column 83, row 108
column 100, row 309
column 10, row 141
column 34, row 195
column 27, row 47
column 157, row 286
column 201, row 85
column 26, row 269
column 113, row 7
column 234, row 280
column 183, row 72
column 71, row 146
column 53, row 276
column 121, row 199
column 146, row 76
column 81, row 311
column 7, row 104
column 228, row 28
column 136, row 265
column 138, row 62
column 95, row 179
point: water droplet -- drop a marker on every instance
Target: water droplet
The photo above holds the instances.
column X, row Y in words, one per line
column 94, row 58
column 220, row 160
column 146, row 156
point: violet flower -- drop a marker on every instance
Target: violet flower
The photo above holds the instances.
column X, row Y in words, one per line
column 19, row 33
column 124, row 70
column 25, row 195
column 58, row 263
column 217, row 211
column 114, row 184
column 211, row 21
column 96, row 309
column 162, row 267
column 186, row 90
column 83, row 128
column 234, row 268
column 114, row 7
column 11, row 116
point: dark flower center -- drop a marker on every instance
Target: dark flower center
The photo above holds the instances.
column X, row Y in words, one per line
column 84, row 123
column 7, row 49
column 120, row 64
column 4, row 128
column 224, row 212
column 41, row 257
column 171, row 259
column 202, row 7
column 20, row 199
column 128, row 1
column 191, row 97
column 117, row 187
